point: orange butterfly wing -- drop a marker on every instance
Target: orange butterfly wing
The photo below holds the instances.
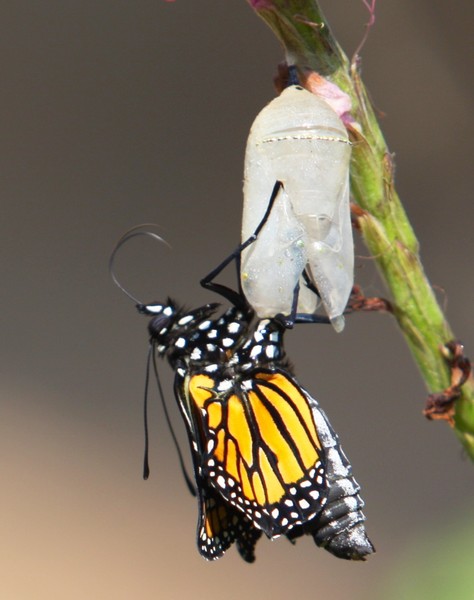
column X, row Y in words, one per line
column 260, row 446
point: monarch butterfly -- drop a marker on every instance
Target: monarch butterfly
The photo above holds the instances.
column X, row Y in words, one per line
column 299, row 141
column 265, row 457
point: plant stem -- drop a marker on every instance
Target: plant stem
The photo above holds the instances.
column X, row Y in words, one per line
column 302, row 29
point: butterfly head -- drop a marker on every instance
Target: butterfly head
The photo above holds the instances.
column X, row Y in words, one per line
column 163, row 317
column 169, row 323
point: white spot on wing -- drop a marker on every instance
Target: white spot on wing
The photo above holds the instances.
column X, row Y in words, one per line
column 224, row 385
column 233, row 327
column 196, row 354
column 256, row 350
column 270, row 351
column 185, row 320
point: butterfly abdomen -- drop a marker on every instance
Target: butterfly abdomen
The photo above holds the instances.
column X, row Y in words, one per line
column 339, row 528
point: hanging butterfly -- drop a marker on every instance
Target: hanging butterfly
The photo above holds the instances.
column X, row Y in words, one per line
column 265, row 456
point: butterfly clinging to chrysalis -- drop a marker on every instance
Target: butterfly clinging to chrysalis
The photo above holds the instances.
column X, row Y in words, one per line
column 265, row 457
column 266, row 460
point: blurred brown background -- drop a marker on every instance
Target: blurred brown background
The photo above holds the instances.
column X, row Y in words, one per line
column 119, row 113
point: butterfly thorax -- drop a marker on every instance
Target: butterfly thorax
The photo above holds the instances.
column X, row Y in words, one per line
column 228, row 347
column 228, row 343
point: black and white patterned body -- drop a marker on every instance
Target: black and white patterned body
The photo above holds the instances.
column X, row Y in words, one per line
column 265, row 456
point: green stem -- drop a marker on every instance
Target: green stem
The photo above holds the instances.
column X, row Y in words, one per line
column 302, row 29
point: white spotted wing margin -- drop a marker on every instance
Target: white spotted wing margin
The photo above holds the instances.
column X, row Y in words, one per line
column 220, row 525
column 286, row 455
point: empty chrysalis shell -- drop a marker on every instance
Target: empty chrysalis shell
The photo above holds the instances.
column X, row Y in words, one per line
column 299, row 140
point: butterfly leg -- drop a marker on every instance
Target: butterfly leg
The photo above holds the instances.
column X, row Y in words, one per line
column 237, row 297
column 358, row 302
column 287, row 322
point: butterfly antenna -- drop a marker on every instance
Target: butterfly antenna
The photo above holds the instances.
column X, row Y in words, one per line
column 146, row 464
column 187, row 478
column 136, row 231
